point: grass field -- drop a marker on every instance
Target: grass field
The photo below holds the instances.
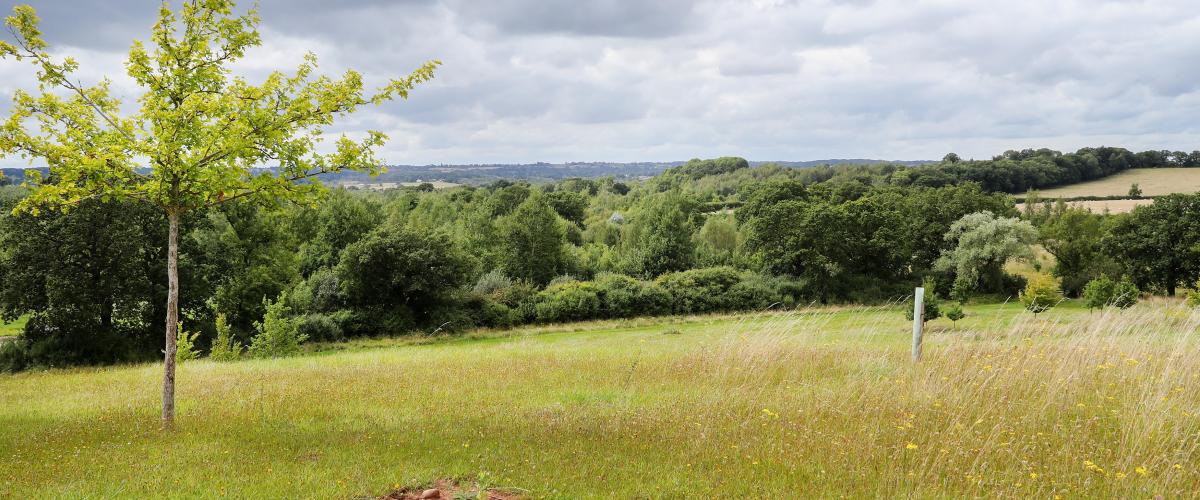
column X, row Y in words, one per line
column 813, row 403
column 1152, row 181
column 12, row 329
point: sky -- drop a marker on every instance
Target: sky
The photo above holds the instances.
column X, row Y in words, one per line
column 636, row 80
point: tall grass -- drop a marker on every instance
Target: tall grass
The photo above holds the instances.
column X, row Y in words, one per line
column 812, row 402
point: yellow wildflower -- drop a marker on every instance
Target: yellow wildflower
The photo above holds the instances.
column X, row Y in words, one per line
column 911, row 446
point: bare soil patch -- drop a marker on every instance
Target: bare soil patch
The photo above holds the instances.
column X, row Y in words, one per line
column 449, row 489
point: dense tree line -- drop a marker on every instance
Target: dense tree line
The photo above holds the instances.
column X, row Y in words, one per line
column 421, row 260
column 1020, row 171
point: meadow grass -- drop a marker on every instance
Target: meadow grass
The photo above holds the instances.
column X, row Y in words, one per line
column 13, row 329
column 814, row 402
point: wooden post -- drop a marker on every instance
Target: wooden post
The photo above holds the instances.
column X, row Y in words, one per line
column 918, row 322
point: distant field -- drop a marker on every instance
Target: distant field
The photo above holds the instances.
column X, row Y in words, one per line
column 816, row 403
column 1152, row 181
column 1099, row 206
column 379, row 186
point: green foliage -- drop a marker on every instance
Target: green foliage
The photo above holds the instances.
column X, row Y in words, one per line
column 1021, row 171
column 571, row 206
column 954, row 312
column 1158, row 245
column 320, row 327
column 246, row 253
column 1135, row 191
column 1073, row 237
column 660, row 236
column 622, row 297
column 492, row 282
column 718, row 243
column 982, row 244
column 1193, row 296
column 931, row 301
column 278, row 335
column 398, row 266
column 701, row 290
column 1041, row 294
column 860, row 247
column 569, row 301
column 1105, row 292
column 339, row 221
column 86, row 279
column 224, row 347
column 185, row 344
column 534, row 242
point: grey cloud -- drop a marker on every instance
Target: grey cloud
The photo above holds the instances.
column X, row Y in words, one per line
column 529, row 80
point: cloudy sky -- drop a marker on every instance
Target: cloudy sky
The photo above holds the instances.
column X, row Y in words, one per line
column 632, row 80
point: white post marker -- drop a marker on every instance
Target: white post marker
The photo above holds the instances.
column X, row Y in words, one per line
column 918, row 322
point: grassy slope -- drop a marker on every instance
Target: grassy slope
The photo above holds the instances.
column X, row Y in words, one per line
column 1152, row 181
column 781, row 405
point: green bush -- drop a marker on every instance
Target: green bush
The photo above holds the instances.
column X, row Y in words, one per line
column 570, row 301
column 1193, row 296
column 278, row 335
column 1104, row 292
column 224, row 348
column 492, row 282
column 754, row 292
column 520, row 298
column 701, row 290
column 319, row 327
column 14, row 356
column 622, row 297
column 1041, row 294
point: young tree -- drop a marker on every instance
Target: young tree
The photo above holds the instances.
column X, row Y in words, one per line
column 954, row 312
column 1041, row 294
column 199, row 132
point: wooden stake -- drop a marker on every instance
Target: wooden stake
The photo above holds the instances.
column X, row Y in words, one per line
column 918, row 322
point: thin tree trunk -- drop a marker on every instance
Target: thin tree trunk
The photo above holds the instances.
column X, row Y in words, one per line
column 168, row 397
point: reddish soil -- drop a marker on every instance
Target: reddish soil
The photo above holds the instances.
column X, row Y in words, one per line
column 447, row 489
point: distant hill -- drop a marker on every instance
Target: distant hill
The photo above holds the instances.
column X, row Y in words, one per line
column 541, row 171
column 484, row 173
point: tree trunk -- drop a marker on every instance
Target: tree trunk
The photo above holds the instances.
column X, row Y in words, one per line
column 168, row 397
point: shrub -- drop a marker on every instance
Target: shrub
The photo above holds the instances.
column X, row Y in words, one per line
column 492, row 282
column 1103, row 292
column 224, row 348
column 14, row 356
column 701, row 290
column 520, row 298
column 623, row 297
column 1193, row 296
column 754, row 292
column 1041, row 294
column 185, row 344
column 320, row 327
column 278, row 335
column 569, row 301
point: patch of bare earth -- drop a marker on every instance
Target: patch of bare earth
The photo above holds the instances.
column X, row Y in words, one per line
column 448, row 489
